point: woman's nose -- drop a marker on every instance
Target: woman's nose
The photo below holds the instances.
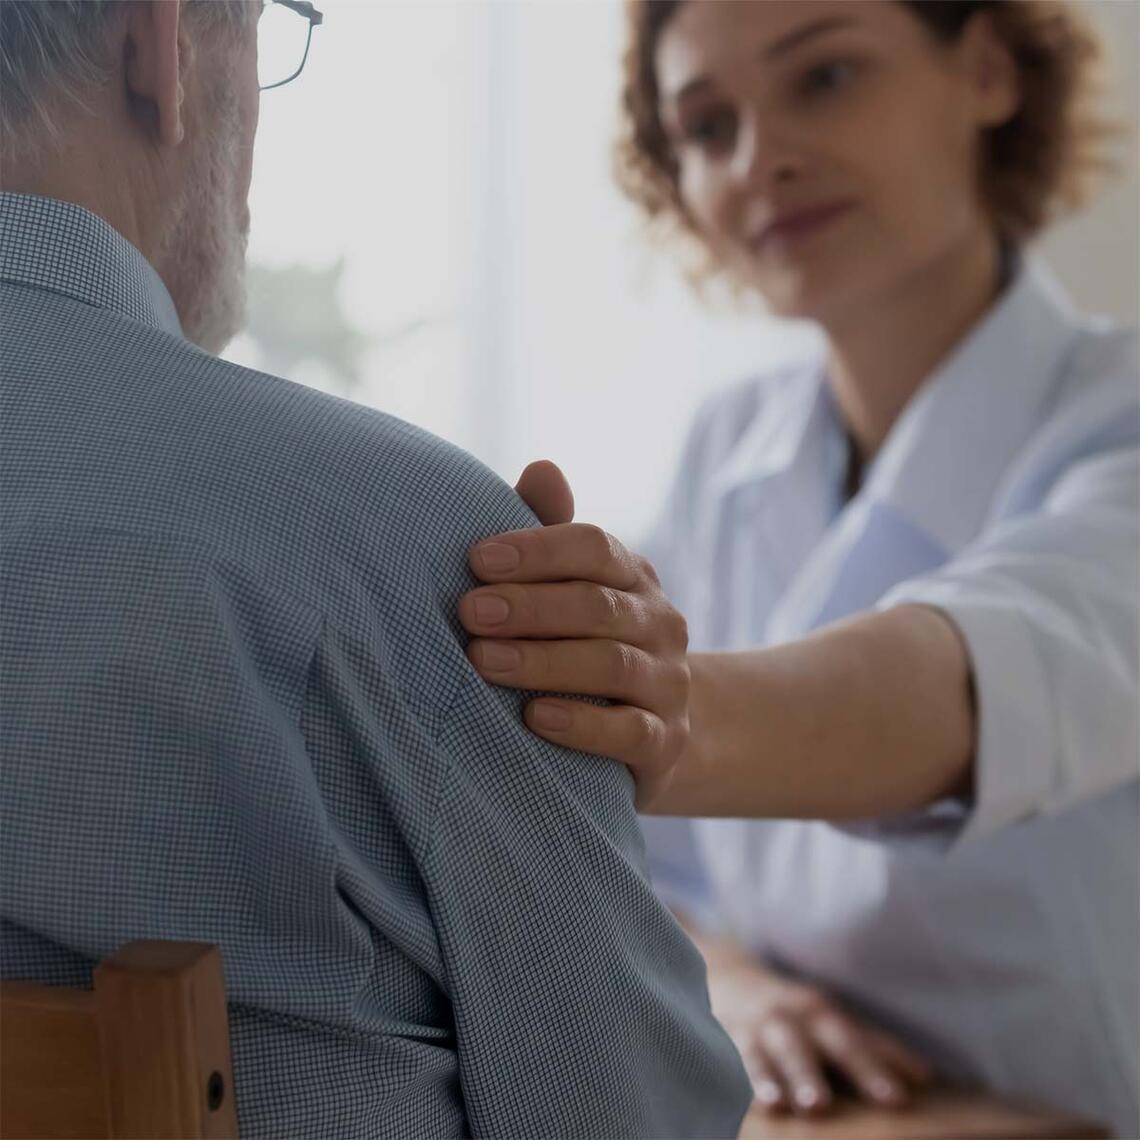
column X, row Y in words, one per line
column 765, row 155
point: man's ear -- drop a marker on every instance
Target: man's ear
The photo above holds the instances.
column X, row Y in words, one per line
column 154, row 66
column 992, row 70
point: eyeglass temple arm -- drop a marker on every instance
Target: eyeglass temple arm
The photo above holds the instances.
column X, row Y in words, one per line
column 304, row 8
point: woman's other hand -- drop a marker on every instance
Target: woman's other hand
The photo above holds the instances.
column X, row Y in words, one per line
column 569, row 610
column 794, row 1039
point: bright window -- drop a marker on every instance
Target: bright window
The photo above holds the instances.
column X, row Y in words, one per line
column 433, row 202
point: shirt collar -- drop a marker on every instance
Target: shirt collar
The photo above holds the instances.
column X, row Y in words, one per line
column 64, row 248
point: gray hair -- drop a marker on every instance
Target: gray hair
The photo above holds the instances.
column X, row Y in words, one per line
column 54, row 51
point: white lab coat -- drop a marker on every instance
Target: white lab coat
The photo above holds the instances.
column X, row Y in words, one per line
column 1001, row 936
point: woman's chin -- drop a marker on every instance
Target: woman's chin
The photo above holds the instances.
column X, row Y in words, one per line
column 810, row 291
column 798, row 300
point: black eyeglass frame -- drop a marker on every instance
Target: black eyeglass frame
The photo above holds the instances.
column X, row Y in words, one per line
column 305, row 9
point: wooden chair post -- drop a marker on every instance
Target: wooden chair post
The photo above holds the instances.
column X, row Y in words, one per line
column 147, row 1054
column 166, row 1047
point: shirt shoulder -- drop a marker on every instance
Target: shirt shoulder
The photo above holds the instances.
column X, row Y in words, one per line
column 385, row 516
column 361, row 517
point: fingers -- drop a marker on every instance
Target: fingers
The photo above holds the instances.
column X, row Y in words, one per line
column 560, row 553
column 567, row 609
column 899, row 1057
column 544, row 489
column 595, row 668
column 572, row 611
column 881, row 1068
column 621, row 732
column 848, row 1049
column 636, row 737
column 766, row 1086
column 794, row 1058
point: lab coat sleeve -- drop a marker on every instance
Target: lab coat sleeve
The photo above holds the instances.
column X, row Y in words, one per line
column 1047, row 605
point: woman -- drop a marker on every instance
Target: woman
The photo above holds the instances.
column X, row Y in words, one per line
column 909, row 572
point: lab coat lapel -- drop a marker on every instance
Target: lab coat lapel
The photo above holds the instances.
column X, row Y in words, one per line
column 930, row 489
column 774, row 497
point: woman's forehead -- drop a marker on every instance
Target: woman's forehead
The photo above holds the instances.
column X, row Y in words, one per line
column 710, row 35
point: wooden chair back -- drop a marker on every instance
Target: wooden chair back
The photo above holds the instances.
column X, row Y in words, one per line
column 146, row 1053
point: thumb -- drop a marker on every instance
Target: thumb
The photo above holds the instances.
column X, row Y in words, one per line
column 544, row 489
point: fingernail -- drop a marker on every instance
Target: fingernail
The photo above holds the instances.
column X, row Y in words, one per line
column 499, row 658
column 884, row 1089
column 490, row 609
column 553, row 718
column 767, row 1092
column 807, row 1097
column 498, row 557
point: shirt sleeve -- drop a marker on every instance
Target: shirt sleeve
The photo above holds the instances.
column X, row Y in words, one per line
column 1047, row 605
column 581, row 1008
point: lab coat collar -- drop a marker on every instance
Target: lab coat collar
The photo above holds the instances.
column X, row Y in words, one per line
column 794, row 414
column 943, row 455
column 943, row 459
column 931, row 486
column 780, row 482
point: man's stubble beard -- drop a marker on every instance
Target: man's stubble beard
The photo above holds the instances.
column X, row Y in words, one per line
column 207, row 244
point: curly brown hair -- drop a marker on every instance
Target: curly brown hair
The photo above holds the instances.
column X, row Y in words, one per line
column 1045, row 161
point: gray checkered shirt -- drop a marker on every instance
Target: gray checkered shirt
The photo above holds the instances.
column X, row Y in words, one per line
column 236, row 708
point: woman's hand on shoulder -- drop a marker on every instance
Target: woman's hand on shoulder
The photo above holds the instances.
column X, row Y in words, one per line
column 568, row 610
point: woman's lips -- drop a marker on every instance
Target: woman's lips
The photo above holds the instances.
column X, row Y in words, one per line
column 789, row 228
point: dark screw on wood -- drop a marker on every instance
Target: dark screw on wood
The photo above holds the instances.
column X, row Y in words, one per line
column 215, row 1091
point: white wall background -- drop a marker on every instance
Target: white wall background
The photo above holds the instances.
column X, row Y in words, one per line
column 457, row 156
column 1097, row 254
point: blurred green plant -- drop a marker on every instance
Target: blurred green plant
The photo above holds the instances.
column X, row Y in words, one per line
column 294, row 315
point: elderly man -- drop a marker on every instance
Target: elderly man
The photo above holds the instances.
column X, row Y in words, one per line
column 236, row 704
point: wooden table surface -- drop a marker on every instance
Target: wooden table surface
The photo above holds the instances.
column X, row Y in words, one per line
column 937, row 1115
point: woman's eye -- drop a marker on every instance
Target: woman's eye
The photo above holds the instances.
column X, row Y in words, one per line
column 710, row 130
column 827, row 77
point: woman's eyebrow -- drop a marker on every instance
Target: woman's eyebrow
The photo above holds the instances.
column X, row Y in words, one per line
column 773, row 50
column 808, row 32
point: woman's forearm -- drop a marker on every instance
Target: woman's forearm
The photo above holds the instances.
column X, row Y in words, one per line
column 869, row 717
